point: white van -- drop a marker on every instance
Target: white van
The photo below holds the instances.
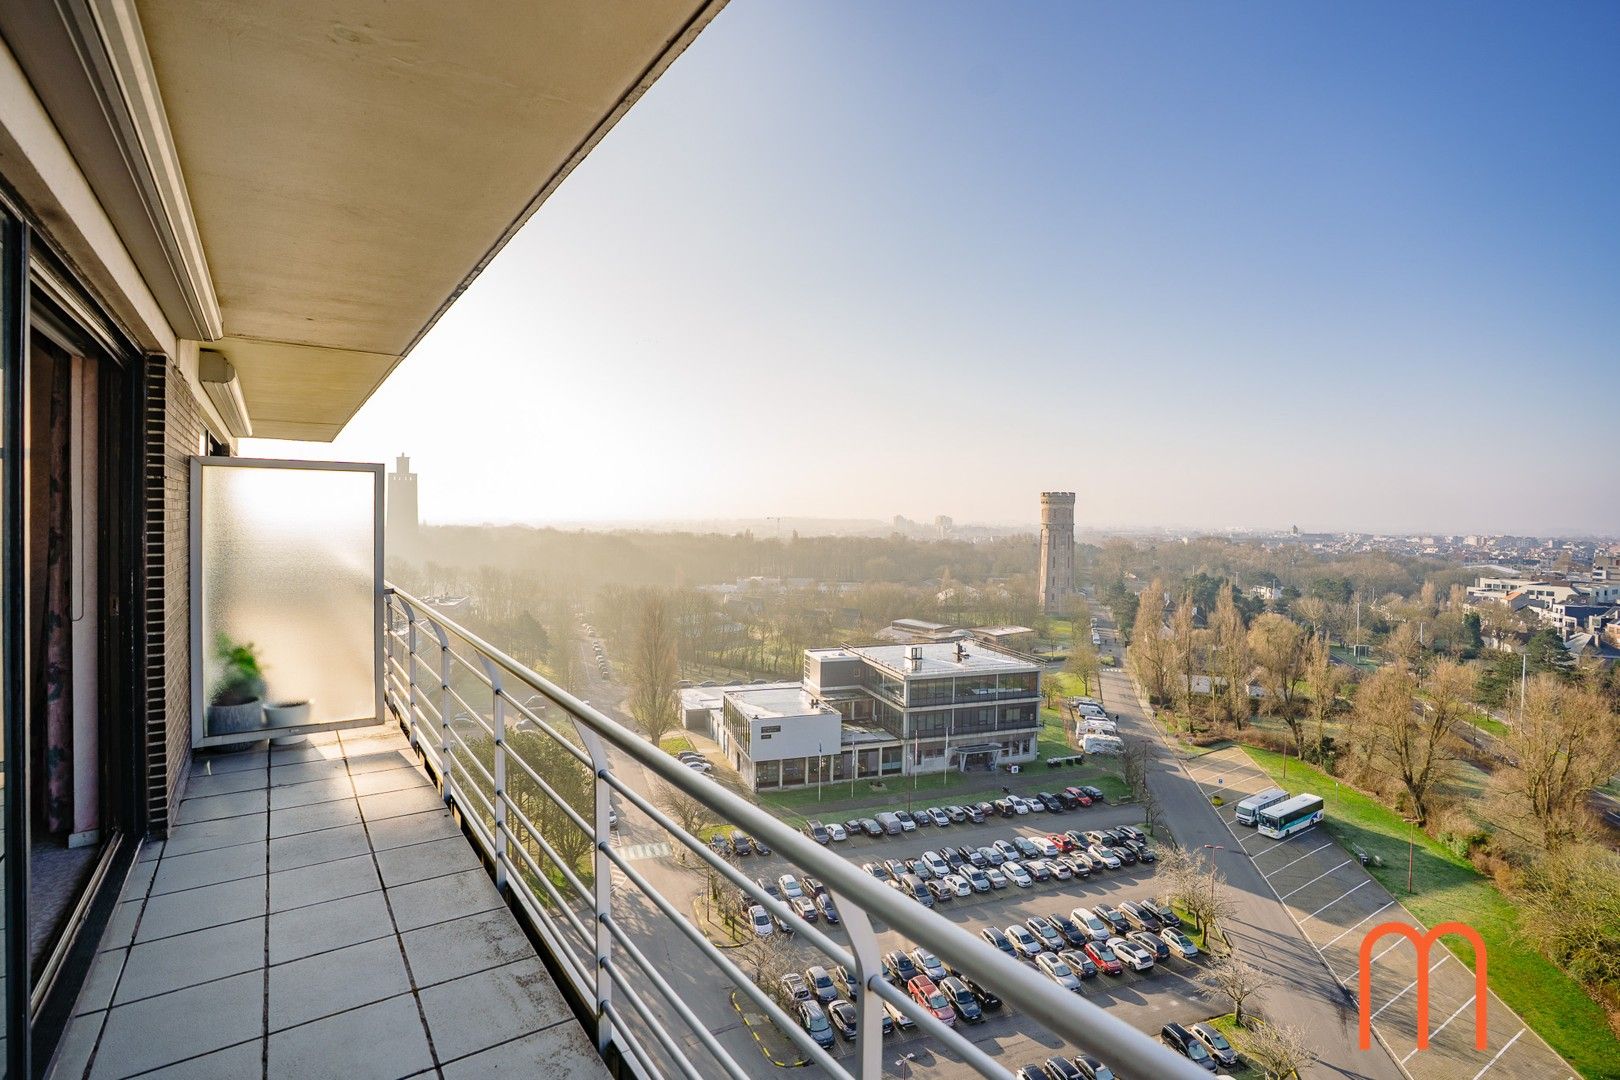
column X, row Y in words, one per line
column 1096, row 743
column 1097, row 727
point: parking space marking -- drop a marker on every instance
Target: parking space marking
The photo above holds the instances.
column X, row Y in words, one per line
column 1499, row 1054
column 1392, row 945
column 1409, row 986
column 1358, row 922
column 1331, row 902
column 1279, row 843
column 1315, row 879
column 1467, row 1001
column 1296, row 859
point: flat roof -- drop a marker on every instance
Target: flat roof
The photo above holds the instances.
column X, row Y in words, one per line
column 942, row 658
column 768, row 702
column 999, row 630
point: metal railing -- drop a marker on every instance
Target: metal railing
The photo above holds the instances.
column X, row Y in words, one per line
column 532, row 771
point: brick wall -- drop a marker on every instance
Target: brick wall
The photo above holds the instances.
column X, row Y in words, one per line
column 173, row 432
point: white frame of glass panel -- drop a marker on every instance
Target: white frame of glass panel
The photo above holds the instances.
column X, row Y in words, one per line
column 199, row 737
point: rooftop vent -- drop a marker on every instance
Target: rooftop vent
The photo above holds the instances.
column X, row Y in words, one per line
column 914, row 657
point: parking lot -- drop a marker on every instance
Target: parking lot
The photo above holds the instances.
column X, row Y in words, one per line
column 1336, row 902
column 1147, row 1000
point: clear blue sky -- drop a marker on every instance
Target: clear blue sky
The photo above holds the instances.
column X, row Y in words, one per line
column 1345, row 266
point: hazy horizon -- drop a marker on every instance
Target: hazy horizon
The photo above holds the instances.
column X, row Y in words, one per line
column 1349, row 269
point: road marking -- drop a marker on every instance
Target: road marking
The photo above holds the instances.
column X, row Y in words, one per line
column 1357, row 923
column 1330, row 903
column 1499, row 1053
column 1392, row 945
column 1467, row 1001
column 1296, row 859
column 1315, row 879
column 1409, row 986
column 635, row 852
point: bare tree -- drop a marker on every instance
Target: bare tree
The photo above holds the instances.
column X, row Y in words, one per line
column 655, row 669
column 1233, row 660
column 1325, row 679
column 1417, row 740
column 1083, row 663
column 1280, row 1053
column 1567, row 744
column 1149, row 653
column 1186, row 660
column 766, row 960
column 1234, row 981
column 1278, row 645
column 687, row 809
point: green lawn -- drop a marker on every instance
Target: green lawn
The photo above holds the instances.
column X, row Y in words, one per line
column 1446, row 888
column 1491, row 725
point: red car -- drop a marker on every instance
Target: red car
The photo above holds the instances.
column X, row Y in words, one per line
column 1103, row 957
column 1063, row 843
column 925, row 993
column 1078, row 796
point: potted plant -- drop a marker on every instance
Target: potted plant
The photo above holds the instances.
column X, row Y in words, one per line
column 236, row 703
column 286, row 714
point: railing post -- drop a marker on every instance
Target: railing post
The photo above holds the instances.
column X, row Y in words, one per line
column 868, row 966
column 498, row 717
column 602, row 882
column 413, row 712
column 445, row 702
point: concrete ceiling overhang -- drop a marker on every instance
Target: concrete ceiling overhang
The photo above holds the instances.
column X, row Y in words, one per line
column 311, row 183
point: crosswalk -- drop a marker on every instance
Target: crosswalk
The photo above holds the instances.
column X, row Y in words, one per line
column 636, row 852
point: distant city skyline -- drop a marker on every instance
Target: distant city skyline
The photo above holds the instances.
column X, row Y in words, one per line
column 1286, row 265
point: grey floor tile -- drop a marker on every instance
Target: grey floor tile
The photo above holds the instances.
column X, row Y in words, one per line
column 293, row 755
column 97, row 991
column 375, row 783
column 287, row 796
column 333, row 982
column 380, row 760
column 463, row 946
column 150, row 851
column 121, row 926
column 197, row 1020
column 390, row 804
column 435, row 858
column 384, row 1041
column 307, row 930
column 559, row 1052
column 139, row 881
column 225, row 832
column 436, row 824
column 323, row 881
column 436, row 900
column 222, row 806
column 325, row 845
column 180, row 872
column 214, row 763
column 239, row 1062
column 201, row 956
column 305, row 772
column 197, row 909
column 204, row 785
column 74, row 1050
column 326, row 815
column 478, row 1011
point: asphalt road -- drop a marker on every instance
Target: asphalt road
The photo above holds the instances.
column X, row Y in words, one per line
column 1307, row 997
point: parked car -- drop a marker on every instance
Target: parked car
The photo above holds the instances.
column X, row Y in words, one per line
column 925, row 993
column 854, row 826
column 829, row 910
column 790, row 886
column 937, row 866
column 1143, row 852
column 1100, row 854
column 1003, row 807
column 938, row 816
column 1151, row 943
column 795, row 987
column 1096, row 793
column 1051, row 802
column 898, row 1018
column 991, row 936
column 929, row 964
column 1060, row 1068
column 993, row 856
column 998, row 880
column 1187, row 1045
column 847, row 983
column 1113, row 918
column 1104, row 958
column 907, row 822
column 914, row 887
column 954, row 858
column 1131, row 954
column 1215, row 1043
column 1018, row 875
column 958, row 883
column 986, row 1000
column 1162, row 912
column 1026, row 847
column 1025, row 943
column 1062, row 841
column 1092, row 1069
column 979, row 813
column 871, row 828
column 962, row 1000
column 940, row 891
column 1060, row 868
column 721, row 846
column 977, row 879
column 760, row 847
column 1179, row 943
column 1055, row 969
column 1068, row 929
column 890, row 824
column 1092, row 923
column 1124, row 853
column 838, row 833
column 1078, row 795
column 741, row 844
column 1080, row 962
column 1079, row 866
column 820, row 983
column 1045, row 848
column 1139, row 917
column 957, row 814
column 1044, row 932
column 814, row 1019
column 760, row 920
column 842, row 1015
column 804, row 908
column 899, row 967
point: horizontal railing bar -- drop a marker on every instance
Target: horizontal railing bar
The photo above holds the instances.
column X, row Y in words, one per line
column 579, row 886
column 576, row 969
column 639, row 1006
column 562, row 804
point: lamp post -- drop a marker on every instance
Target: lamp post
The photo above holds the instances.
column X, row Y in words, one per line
column 821, row 769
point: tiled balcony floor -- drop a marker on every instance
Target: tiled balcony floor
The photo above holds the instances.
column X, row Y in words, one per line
column 315, row 912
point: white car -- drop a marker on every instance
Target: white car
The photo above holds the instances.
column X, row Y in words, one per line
column 1020, row 807
column 997, row 879
column 1006, row 849
column 1047, row 849
column 837, row 832
column 699, row 766
column 1099, row 854
column 1017, row 874
column 761, row 921
column 1060, row 869
column 958, row 884
column 1131, row 954
column 928, row 964
column 936, row 865
column 790, row 886
column 1180, row 944
column 1024, row 942
column 1058, row 972
column 979, row 880
column 1088, row 920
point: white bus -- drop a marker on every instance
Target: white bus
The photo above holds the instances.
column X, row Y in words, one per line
column 1250, row 807
column 1282, row 820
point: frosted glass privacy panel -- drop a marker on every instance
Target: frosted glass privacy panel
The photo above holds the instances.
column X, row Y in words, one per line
column 287, row 596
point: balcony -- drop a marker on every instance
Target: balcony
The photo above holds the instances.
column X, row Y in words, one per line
column 317, row 912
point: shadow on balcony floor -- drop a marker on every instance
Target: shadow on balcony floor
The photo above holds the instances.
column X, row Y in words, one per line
column 315, row 912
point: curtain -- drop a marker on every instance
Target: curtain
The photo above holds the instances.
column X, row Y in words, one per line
column 53, row 754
